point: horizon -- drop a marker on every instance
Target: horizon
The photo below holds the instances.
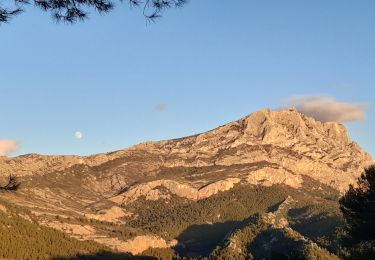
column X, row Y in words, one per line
column 187, row 136
column 112, row 81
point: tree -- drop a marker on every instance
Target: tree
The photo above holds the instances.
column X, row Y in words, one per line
column 12, row 185
column 70, row 11
column 358, row 208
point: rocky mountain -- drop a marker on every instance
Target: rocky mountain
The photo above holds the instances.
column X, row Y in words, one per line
column 166, row 194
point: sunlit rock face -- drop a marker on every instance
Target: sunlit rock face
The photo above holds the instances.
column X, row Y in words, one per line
column 267, row 148
column 294, row 144
column 274, row 146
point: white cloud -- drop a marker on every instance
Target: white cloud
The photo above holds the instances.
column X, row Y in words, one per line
column 327, row 109
column 8, row 146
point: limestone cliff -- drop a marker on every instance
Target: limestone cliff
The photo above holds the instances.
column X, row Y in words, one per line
column 267, row 148
column 275, row 146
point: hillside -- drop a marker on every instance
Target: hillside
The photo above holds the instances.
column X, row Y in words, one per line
column 207, row 195
column 23, row 238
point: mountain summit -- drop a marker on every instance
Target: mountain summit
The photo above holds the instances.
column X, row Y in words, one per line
column 282, row 146
column 271, row 152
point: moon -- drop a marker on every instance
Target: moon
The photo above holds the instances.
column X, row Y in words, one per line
column 78, row 135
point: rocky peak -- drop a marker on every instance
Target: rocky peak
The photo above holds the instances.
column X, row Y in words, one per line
column 287, row 127
column 284, row 141
column 296, row 143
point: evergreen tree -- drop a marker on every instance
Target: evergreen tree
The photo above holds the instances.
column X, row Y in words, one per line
column 358, row 208
column 70, row 11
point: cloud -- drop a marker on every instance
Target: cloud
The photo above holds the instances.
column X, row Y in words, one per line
column 8, row 146
column 161, row 107
column 327, row 109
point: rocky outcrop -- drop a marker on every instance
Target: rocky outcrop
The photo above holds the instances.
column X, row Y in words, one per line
column 216, row 187
column 150, row 190
column 277, row 218
column 288, row 139
column 295, row 143
column 269, row 176
column 141, row 243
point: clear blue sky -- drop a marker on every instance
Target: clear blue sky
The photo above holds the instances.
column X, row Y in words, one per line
column 210, row 62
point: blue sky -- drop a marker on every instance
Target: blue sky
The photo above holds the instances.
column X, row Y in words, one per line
column 209, row 63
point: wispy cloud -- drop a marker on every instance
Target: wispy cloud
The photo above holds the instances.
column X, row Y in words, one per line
column 8, row 146
column 161, row 107
column 326, row 109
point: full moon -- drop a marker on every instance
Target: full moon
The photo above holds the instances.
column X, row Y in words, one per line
column 78, row 135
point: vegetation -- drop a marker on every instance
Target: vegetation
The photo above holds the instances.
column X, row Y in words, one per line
column 285, row 244
column 358, row 208
column 171, row 218
column 259, row 240
column 110, row 229
column 161, row 253
column 104, row 255
column 73, row 10
column 202, row 226
column 240, row 240
column 22, row 238
column 330, row 222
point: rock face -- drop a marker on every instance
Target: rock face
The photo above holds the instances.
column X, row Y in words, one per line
column 150, row 192
column 142, row 243
column 265, row 148
column 268, row 176
column 270, row 147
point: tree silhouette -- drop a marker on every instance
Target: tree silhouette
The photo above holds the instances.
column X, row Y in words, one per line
column 358, row 208
column 70, row 11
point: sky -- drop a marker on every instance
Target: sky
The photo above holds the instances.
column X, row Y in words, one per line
column 114, row 81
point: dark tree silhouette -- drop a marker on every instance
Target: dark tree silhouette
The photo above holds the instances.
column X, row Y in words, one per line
column 12, row 185
column 71, row 11
column 358, row 208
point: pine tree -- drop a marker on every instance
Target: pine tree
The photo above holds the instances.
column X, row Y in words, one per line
column 358, row 208
column 70, row 11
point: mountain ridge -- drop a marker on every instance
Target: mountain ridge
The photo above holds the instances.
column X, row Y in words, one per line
column 284, row 129
column 158, row 194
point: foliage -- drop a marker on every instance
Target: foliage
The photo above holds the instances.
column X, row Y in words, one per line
column 24, row 239
column 103, row 255
column 240, row 239
column 170, row 218
column 362, row 251
column 305, row 220
column 161, row 253
column 202, row 226
column 358, row 208
column 71, row 11
column 275, row 243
